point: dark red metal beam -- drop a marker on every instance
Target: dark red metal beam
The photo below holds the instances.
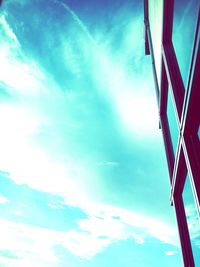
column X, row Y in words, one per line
column 168, row 13
column 191, row 151
column 163, row 91
column 168, row 145
column 183, row 232
column 191, row 114
column 187, row 108
column 180, row 172
column 174, row 77
column 146, row 19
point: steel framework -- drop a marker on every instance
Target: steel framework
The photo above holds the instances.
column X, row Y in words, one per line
column 186, row 101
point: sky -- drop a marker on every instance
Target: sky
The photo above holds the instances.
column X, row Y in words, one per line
column 83, row 174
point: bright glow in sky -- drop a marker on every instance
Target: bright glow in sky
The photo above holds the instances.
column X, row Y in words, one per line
column 82, row 167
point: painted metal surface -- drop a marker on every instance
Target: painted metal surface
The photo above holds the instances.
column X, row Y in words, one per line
column 186, row 102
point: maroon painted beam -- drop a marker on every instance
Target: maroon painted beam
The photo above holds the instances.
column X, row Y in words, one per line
column 183, row 232
column 146, row 19
column 174, row 77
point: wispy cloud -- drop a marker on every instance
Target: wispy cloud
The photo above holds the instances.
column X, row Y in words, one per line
column 27, row 77
column 76, row 18
column 37, row 105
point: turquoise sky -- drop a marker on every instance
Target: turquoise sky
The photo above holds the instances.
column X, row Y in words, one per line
column 83, row 175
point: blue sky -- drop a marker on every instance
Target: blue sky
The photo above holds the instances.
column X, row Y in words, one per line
column 83, row 173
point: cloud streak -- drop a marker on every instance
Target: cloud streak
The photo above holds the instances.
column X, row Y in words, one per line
column 77, row 20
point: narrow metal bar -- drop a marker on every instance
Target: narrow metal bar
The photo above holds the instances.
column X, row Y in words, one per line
column 168, row 145
column 163, row 91
column 153, row 63
column 179, row 174
column 147, row 50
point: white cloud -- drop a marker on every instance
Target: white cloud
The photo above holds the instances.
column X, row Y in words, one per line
column 108, row 227
column 24, row 118
column 3, row 200
column 57, row 204
column 95, row 234
column 17, row 70
column 130, row 96
column 106, row 224
column 137, row 238
column 29, row 244
column 22, row 74
column 150, row 226
column 170, row 253
column 35, row 167
column 8, row 32
column 84, row 244
column 29, row 163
